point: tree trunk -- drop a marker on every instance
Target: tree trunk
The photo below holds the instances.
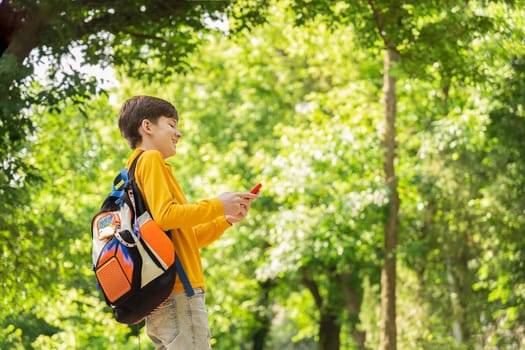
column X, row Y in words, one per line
column 329, row 311
column 353, row 298
column 329, row 331
column 264, row 318
column 459, row 281
column 25, row 37
column 454, row 293
column 388, row 273
column 9, row 22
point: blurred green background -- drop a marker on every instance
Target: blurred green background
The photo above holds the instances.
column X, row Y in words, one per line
column 340, row 109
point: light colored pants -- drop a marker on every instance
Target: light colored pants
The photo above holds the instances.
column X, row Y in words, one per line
column 181, row 323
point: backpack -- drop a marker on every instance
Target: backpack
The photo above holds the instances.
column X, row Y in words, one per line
column 133, row 258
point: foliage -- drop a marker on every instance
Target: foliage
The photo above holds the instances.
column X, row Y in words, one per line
column 147, row 39
column 452, row 211
column 297, row 108
column 44, row 214
column 46, row 245
column 277, row 96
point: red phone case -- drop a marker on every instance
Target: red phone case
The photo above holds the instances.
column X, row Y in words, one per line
column 256, row 189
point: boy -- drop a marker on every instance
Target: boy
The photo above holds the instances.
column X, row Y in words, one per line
column 150, row 125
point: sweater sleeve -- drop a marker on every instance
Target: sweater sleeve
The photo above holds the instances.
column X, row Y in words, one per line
column 210, row 231
column 165, row 199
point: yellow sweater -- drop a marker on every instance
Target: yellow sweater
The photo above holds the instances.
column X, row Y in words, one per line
column 193, row 226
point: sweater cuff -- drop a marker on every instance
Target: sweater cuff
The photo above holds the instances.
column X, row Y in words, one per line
column 224, row 223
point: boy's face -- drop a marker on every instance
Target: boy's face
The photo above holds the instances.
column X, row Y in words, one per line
column 165, row 135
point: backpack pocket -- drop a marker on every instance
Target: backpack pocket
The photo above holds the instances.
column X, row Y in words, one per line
column 105, row 225
column 158, row 241
column 114, row 270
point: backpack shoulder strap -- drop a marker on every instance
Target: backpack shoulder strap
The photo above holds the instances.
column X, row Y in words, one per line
column 183, row 277
column 131, row 171
column 119, row 184
column 138, row 201
column 121, row 181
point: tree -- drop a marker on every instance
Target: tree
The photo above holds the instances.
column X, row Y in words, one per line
column 413, row 36
column 48, row 285
column 504, row 167
column 299, row 109
column 126, row 34
column 129, row 35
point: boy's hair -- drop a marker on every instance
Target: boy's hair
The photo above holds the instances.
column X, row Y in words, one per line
column 138, row 108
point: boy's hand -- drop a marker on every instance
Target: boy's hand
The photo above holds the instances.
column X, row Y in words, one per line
column 236, row 205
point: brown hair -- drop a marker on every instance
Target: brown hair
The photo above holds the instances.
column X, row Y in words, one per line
column 138, row 108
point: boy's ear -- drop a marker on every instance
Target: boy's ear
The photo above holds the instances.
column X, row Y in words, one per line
column 145, row 126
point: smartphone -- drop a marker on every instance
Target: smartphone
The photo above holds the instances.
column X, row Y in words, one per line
column 256, row 189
